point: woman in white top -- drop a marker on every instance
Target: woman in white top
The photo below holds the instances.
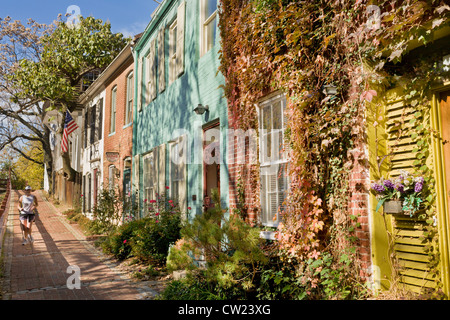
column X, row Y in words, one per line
column 27, row 206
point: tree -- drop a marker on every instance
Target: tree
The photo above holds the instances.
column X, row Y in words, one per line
column 59, row 56
column 21, row 116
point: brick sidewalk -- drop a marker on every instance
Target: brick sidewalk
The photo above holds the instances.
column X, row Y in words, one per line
column 38, row 271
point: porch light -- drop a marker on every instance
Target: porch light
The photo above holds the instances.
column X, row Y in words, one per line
column 200, row 109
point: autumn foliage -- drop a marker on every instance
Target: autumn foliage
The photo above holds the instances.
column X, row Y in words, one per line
column 299, row 47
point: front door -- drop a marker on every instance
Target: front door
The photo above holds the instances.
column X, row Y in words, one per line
column 211, row 165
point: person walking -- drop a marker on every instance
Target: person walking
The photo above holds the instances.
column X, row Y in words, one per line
column 27, row 208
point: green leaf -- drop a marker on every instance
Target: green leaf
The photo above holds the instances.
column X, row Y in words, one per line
column 380, row 203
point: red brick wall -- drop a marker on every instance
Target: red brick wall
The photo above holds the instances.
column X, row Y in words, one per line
column 240, row 166
column 359, row 184
column 121, row 141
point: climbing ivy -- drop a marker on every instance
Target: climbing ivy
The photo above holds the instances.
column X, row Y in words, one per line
column 299, row 47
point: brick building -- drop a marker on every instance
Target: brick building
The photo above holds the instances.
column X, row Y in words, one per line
column 118, row 120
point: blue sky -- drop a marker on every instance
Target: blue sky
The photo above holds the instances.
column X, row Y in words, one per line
column 127, row 16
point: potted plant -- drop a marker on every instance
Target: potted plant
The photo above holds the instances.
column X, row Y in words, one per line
column 404, row 194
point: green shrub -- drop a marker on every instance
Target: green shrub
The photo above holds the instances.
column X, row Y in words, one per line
column 231, row 247
column 149, row 238
column 118, row 242
column 192, row 287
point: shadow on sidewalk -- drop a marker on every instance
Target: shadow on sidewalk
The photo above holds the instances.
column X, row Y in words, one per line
column 40, row 270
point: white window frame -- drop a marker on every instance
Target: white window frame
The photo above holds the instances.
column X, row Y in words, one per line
column 177, row 165
column 206, row 41
column 173, row 51
column 113, row 110
column 149, row 177
column 130, row 93
column 111, row 176
column 273, row 162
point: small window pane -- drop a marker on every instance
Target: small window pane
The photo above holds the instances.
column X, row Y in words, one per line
column 211, row 7
column 277, row 116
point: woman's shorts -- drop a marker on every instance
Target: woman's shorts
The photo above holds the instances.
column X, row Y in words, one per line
column 30, row 217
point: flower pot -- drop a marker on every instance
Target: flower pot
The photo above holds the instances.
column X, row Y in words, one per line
column 393, row 206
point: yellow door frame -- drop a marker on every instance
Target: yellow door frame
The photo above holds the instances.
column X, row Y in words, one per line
column 442, row 204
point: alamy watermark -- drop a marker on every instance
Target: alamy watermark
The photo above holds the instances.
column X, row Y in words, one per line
column 74, row 280
column 374, row 17
column 73, row 14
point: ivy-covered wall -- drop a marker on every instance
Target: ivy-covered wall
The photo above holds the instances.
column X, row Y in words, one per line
column 333, row 142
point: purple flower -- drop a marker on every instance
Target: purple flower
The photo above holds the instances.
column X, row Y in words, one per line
column 378, row 187
column 399, row 187
column 388, row 184
column 418, row 187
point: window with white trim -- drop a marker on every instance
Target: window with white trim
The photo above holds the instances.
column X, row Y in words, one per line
column 208, row 25
column 273, row 158
column 177, row 167
column 130, row 93
column 112, row 128
column 149, row 176
column 111, row 173
column 154, row 172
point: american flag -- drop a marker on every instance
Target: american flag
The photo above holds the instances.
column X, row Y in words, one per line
column 69, row 127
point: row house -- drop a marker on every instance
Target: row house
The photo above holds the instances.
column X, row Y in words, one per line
column 156, row 122
column 107, row 130
column 63, row 190
column 92, row 100
column 180, row 120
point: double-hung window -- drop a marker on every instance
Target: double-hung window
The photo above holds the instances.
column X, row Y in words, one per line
column 177, row 163
column 111, row 173
column 129, row 105
column 208, row 31
column 154, row 164
column 150, row 177
column 112, row 128
column 273, row 158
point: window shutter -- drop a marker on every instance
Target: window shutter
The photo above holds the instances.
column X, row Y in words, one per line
column 183, row 174
column 136, row 171
column 409, row 248
column 139, row 84
column 151, row 72
column 180, row 38
column 263, row 196
column 161, row 172
column 136, row 181
column 100, row 119
column 161, row 63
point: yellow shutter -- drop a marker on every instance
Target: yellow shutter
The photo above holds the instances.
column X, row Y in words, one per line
column 408, row 246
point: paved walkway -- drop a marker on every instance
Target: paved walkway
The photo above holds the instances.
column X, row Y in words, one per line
column 39, row 271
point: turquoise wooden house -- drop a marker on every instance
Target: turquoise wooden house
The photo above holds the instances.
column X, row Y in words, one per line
column 180, row 118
